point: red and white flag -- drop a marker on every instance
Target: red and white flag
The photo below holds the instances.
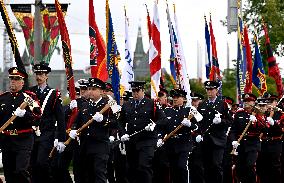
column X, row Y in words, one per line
column 155, row 53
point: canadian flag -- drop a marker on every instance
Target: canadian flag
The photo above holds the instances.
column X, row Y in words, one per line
column 155, row 53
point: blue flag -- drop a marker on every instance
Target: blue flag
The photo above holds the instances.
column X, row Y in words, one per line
column 208, row 50
column 113, row 56
column 258, row 74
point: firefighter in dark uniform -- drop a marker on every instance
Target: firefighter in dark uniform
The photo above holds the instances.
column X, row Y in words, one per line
column 137, row 115
column 17, row 139
column 51, row 129
column 227, row 159
column 178, row 146
column 248, row 148
column 94, row 141
column 212, row 131
column 195, row 158
column 160, row 162
column 268, row 163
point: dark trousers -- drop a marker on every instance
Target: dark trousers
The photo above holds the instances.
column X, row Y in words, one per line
column 140, row 163
column 245, row 166
column 120, row 165
column 212, row 157
column 110, row 167
column 76, row 163
column 228, row 163
column 41, row 170
column 15, row 165
column 196, row 165
column 269, row 167
column 161, row 167
column 97, row 168
column 179, row 167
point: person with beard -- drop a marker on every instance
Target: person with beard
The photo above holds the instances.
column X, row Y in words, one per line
column 51, row 129
column 247, row 149
column 94, row 140
column 17, row 139
column 269, row 159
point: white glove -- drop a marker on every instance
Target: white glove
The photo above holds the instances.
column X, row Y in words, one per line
column 20, row 112
column 252, row 118
column 217, row 119
column 55, row 143
column 111, row 139
column 150, row 127
column 270, row 121
column 160, row 143
column 73, row 134
column 124, row 138
column 60, row 147
column 199, row 138
column 98, row 117
column 235, row 144
column 73, row 104
column 186, row 122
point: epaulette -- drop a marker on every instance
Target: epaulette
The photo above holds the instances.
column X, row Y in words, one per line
column 240, row 110
column 4, row 93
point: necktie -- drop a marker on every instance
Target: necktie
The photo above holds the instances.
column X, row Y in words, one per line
column 136, row 103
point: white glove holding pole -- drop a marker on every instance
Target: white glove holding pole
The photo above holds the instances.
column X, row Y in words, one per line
column 252, row 118
column 217, row 119
column 199, row 138
column 73, row 134
column 73, row 104
column 150, row 127
column 98, row 117
column 270, row 121
column 60, row 147
column 235, row 144
column 160, row 143
column 186, row 122
column 111, row 139
column 124, row 138
column 20, row 112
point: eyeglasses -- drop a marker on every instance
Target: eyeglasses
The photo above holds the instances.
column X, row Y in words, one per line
column 16, row 78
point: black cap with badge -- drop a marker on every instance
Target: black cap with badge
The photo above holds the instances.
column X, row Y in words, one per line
column 15, row 72
column 137, row 85
column 211, row 85
column 83, row 83
column 178, row 93
column 96, row 83
column 196, row 96
column 41, row 68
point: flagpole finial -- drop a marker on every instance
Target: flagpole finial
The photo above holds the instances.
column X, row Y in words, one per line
column 174, row 5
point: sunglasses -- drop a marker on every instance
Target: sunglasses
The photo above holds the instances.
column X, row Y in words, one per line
column 16, row 78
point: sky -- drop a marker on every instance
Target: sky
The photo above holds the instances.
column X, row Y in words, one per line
column 190, row 16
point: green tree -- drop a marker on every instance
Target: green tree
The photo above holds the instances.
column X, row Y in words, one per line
column 272, row 12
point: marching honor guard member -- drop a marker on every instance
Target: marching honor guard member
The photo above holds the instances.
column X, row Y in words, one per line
column 94, row 140
column 212, row 131
column 17, row 139
column 51, row 129
column 139, row 115
column 180, row 144
column 246, row 129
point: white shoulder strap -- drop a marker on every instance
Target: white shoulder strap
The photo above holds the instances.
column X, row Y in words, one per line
column 46, row 99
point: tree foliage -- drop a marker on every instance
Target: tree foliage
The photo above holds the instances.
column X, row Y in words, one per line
column 272, row 12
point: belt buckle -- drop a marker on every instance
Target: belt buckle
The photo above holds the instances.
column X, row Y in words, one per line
column 14, row 132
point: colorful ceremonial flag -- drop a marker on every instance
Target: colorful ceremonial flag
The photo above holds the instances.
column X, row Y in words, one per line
column 67, row 59
column 241, row 62
column 155, row 53
column 97, row 48
column 208, row 50
column 149, row 23
column 113, row 56
column 248, row 87
column 273, row 69
column 13, row 40
column 258, row 75
column 179, row 53
column 127, row 71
